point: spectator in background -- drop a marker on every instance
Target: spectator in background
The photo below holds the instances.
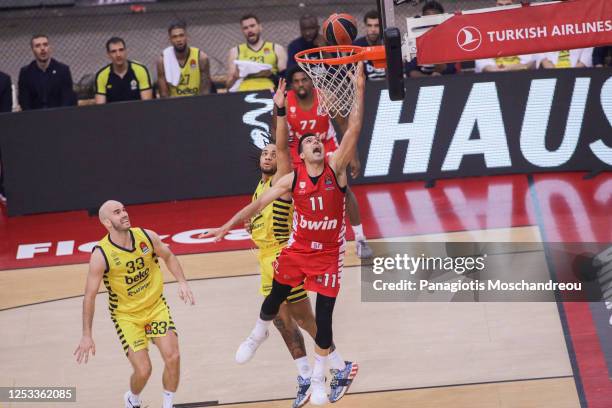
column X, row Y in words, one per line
column 254, row 64
column 310, row 38
column 122, row 79
column 45, row 82
column 6, row 105
column 6, row 93
column 373, row 37
column 579, row 58
column 602, row 57
column 515, row 63
column 183, row 70
column 412, row 68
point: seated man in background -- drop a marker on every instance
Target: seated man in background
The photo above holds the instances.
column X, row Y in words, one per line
column 6, row 93
column 412, row 68
column 579, row 58
column 6, row 105
column 514, row 63
column 122, row 79
column 373, row 37
column 310, row 38
column 602, row 57
column 182, row 70
column 45, row 82
column 254, row 64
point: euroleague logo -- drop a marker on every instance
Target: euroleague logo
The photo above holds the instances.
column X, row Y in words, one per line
column 469, row 38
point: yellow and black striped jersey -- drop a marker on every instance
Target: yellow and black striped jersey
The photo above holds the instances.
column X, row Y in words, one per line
column 271, row 228
column 133, row 277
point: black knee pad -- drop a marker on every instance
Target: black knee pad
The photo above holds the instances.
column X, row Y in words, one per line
column 324, row 312
column 272, row 302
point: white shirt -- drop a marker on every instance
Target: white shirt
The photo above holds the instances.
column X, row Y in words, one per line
column 482, row 63
column 584, row 55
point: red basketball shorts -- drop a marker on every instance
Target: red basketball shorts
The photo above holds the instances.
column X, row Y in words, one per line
column 319, row 269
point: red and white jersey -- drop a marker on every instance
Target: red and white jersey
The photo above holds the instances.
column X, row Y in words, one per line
column 302, row 122
column 319, row 209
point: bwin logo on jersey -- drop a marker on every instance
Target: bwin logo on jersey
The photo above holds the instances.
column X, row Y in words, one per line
column 324, row 225
column 260, row 135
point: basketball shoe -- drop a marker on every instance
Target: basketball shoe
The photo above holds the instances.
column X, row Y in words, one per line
column 303, row 392
column 128, row 402
column 342, row 380
column 247, row 348
column 318, row 395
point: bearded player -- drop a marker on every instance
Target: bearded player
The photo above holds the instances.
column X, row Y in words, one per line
column 126, row 259
column 303, row 117
column 314, row 255
column 269, row 229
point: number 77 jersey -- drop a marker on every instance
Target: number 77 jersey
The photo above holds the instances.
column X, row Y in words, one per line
column 319, row 209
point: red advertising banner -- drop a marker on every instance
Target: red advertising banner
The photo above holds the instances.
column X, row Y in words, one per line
column 529, row 29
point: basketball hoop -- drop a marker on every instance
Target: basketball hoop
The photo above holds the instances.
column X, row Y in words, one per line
column 332, row 70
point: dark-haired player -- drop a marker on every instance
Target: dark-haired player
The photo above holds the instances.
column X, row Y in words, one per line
column 304, row 117
column 315, row 252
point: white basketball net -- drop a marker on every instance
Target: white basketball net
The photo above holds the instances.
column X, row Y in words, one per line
column 335, row 83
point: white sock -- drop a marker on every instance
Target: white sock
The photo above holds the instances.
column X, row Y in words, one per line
column 168, row 396
column 134, row 399
column 319, row 366
column 261, row 327
column 358, row 231
column 336, row 361
column 303, row 367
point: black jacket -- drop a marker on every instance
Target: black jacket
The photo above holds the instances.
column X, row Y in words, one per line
column 6, row 93
column 45, row 89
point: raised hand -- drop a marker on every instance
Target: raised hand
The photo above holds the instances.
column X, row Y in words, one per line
column 280, row 94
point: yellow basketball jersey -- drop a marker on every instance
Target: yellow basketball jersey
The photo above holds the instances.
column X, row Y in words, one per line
column 133, row 278
column 265, row 55
column 272, row 226
column 189, row 84
column 564, row 61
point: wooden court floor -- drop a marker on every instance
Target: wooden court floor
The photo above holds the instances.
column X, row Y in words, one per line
column 411, row 354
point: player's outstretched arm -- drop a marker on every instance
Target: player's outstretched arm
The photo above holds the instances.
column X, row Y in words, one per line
column 348, row 146
column 283, row 157
column 173, row 265
column 97, row 266
column 283, row 186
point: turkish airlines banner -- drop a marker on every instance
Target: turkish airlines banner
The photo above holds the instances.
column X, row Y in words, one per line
column 526, row 30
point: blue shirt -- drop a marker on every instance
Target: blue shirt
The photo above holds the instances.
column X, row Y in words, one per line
column 372, row 73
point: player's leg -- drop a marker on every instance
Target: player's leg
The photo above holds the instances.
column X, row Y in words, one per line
column 352, row 208
column 169, row 350
column 276, row 293
column 141, row 364
column 161, row 330
column 294, row 340
column 131, row 333
column 327, row 286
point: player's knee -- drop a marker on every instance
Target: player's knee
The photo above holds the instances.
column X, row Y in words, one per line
column 272, row 302
column 324, row 337
column 144, row 370
column 173, row 358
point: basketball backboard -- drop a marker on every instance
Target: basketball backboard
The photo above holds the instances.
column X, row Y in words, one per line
column 393, row 48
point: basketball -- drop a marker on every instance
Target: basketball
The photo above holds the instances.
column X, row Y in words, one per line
column 340, row 29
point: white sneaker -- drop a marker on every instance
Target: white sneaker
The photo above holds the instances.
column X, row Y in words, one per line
column 247, row 349
column 128, row 403
column 363, row 250
column 318, row 395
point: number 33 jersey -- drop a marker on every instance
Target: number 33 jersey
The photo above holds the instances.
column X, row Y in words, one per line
column 133, row 278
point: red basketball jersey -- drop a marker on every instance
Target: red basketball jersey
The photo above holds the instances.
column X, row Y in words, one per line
column 318, row 217
column 302, row 122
